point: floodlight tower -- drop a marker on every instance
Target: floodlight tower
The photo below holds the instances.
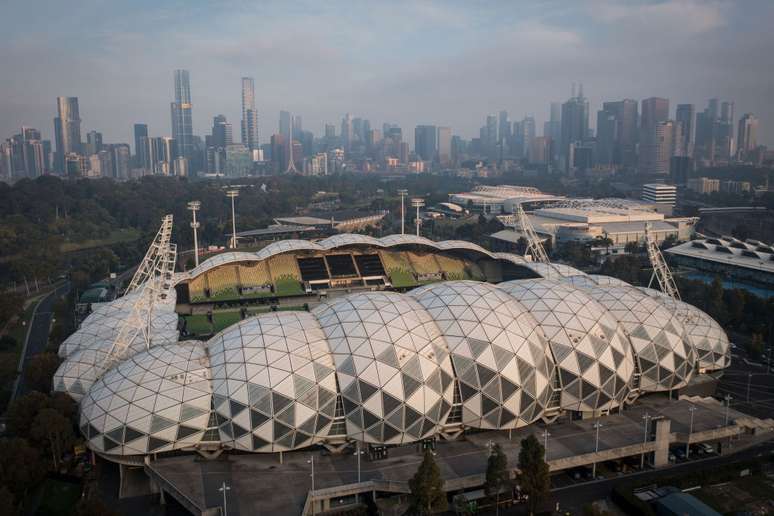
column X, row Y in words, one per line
column 233, row 194
column 417, row 202
column 195, row 206
column 403, row 193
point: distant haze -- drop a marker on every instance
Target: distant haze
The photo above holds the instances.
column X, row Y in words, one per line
column 445, row 63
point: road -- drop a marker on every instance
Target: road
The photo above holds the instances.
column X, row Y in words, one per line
column 37, row 335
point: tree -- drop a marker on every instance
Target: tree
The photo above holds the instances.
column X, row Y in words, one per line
column 497, row 474
column 533, row 476
column 22, row 412
column 427, row 494
column 21, row 467
column 40, row 371
column 7, row 505
column 53, row 428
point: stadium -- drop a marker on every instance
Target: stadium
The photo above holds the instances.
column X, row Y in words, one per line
column 382, row 341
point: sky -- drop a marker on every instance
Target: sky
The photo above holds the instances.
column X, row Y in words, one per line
column 446, row 63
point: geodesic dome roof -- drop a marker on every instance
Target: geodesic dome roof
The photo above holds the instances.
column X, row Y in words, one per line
column 708, row 338
column 392, row 364
column 157, row 400
column 499, row 354
column 592, row 353
column 664, row 357
column 274, row 382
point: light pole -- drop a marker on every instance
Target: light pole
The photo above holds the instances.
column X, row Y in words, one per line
column 597, row 426
column 646, row 418
column 728, row 399
column 403, row 193
column 194, row 206
column 311, row 461
column 691, row 409
column 417, row 202
column 233, row 194
column 546, row 435
column 224, row 489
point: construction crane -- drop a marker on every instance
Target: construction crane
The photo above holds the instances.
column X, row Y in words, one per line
column 152, row 283
column 661, row 272
column 534, row 245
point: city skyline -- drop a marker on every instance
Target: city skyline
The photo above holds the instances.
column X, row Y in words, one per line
column 410, row 73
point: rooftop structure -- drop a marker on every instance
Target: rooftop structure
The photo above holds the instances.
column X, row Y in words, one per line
column 750, row 260
column 500, row 199
column 659, row 193
column 374, row 365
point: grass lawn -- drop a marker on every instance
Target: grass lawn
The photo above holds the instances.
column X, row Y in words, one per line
column 197, row 324
column 223, row 320
column 58, row 498
column 116, row 237
column 288, row 287
column 400, row 278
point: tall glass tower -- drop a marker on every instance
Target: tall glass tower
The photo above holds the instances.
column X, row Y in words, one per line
column 67, row 130
column 182, row 124
column 249, row 114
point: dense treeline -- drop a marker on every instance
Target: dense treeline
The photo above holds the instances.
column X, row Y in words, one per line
column 38, row 216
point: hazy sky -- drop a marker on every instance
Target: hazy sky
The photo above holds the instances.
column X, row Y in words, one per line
column 444, row 63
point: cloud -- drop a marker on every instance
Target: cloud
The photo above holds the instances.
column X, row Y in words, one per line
column 683, row 16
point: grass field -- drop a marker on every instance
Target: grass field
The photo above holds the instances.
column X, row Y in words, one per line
column 288, row 287
column 118, row 236
column 222, row 320
column 58, row 498
column 197, row 324
column 400, row 278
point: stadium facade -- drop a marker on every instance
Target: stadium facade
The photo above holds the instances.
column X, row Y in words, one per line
column 383, row 341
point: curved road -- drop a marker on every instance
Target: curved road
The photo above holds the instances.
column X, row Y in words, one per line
column 37, row 336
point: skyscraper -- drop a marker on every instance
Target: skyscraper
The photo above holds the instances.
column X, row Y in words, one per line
column 182, row 122
column 140, row 132
column 657, row 147
column 346, row 132
column 617, row 133
column 67, row 130
column 575, row 122
column 504, row 128
column 444, row 146
column 425, row 142
column 93, row 142
column 654, row 111
column 222, row 132
column 249, row 115
column 686, row 117
column 747, row 138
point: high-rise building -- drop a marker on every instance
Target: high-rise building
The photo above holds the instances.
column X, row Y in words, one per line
column 140, row 132
column 574, row 122
column 747, row 138
column 278, row 155
column 67, row 130
column 657, row 147
column 617, row 133
column 444, row 146
column 222, row 132
column 346, row 132
column 285, row 124
column 504, row 130
column 685, row 115
column 654, row 110
column 93, row 142
column 182, row 119
column 726, row 141
column 249, row 115
column 425, row 142
column 121, row 159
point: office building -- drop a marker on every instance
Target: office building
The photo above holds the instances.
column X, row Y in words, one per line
column 93, row 142
column 574, row 123
column 703, row 185
column 659, row 193
column 504, row 128
column 656, row 148
column 67, row 130
column 249, row 115
column 182, row 121
column 685, row 115
column 346, row 132
column 654, row 111
column 747, row 137
column 285, row 124
column 140, row 132
column 444, row 146
column 222, row 132
column 680, row 168
column 238, row 160
column 425, row 142
column 121, row 160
